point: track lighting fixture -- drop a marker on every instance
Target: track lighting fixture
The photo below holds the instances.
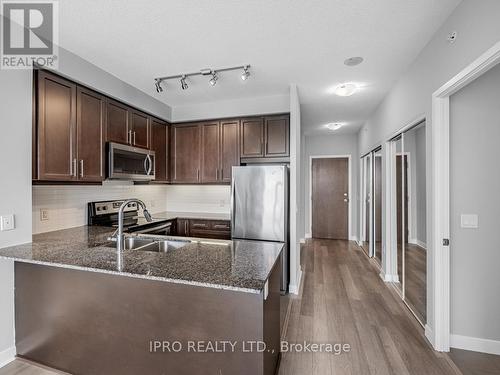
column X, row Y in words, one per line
column 213, row 80
column 158, row 86
column 184, row 84
column 203, row 72
column 246, row 73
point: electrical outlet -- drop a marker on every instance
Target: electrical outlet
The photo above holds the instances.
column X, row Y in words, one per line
column 44, row 214
column 7, row 222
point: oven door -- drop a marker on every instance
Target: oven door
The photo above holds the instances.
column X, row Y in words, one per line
column 130, row 163
column 163, row 229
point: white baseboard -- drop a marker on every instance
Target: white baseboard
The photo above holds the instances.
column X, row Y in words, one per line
column 7, row 356
column 294, row 288
column 422, row 244
column 308, row 235
column 475, row 344
column 354, row 238
column 429, row 334
column 302, row 240
column 388, row 278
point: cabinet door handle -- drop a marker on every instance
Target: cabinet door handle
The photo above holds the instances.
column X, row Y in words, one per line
column 129, row 137
column 74, row 172
column 217, row 174
column 198, row 174
column 185, row 227
column 221, row 226
column 199, row 225
column 81, row 168
column 134, row 138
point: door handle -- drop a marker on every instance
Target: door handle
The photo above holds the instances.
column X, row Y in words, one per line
column 134, row 138
column 129, row 137
column 346, row 200
column 81, row 168
column 74, row 171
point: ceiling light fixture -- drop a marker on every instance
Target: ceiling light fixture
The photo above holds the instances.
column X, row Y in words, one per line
column 334, row 127
column 158, row 86
column 353, row 61
column 213, row 80
column 184, row 84
column 246, row 73
column 346, row 89
column 203, row 72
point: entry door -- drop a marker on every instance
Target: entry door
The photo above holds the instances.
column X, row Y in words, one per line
column 330, row 198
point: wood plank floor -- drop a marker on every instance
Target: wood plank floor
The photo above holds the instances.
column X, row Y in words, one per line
column 343, row 300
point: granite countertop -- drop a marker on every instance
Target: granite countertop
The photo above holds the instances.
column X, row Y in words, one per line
column 235, row 265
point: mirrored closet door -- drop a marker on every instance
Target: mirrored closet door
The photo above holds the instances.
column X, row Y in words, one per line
column 366, row 213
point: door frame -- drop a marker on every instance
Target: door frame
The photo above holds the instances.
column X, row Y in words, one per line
column 349, row 212
column 439, row 333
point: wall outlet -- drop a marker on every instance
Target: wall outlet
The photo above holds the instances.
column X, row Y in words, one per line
column 469, row 221
column 7, row 222
column 44, row 214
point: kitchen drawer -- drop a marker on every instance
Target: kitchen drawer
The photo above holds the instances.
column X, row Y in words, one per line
column 199, row 224
column 220, row 225
column 220, row 235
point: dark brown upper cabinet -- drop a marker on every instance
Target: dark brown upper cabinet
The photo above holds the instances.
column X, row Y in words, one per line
column 56, row 129
column 186, row 145
column 70, row 131
column 229, row 148
column 139, row 129
column 210, row 156
column 159, row 144
column 276, row 136
column 252, row 138
column 90, row 127
column 117, row 122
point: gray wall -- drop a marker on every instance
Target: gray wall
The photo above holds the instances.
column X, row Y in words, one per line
column 475, row 187
column 332, row 145
column 476, row 23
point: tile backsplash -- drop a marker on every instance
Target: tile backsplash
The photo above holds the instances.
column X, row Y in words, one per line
column 66, row 206
column 199, row 198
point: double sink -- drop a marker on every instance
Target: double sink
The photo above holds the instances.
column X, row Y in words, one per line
column 152, row 244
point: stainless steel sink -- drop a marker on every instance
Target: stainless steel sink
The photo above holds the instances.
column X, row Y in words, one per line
column 151, row 244
column 132, row 243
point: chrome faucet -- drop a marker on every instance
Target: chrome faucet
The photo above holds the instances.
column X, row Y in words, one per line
column 120, row 237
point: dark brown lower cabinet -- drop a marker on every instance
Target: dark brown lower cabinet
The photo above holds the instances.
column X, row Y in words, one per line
column 202, row 228
column 182, row 227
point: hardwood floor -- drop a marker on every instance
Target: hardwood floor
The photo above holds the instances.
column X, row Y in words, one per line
column 343, row 300
column 473, row 363
column 23, row 367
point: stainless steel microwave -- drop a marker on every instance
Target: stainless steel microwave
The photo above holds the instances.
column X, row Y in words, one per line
column 130, row 163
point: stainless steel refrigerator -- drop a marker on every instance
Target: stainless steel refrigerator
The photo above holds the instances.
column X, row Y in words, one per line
column 259, row 207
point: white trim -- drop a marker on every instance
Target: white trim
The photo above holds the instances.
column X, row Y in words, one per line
column 475, row 344
column 349, row 168
column 7, row 356
column 302, row 241
column 429, row 334
column 440, row 216
column 388, row 278
column 353, row 238
column 295, row 288
column 422, row 244
column 308, row 235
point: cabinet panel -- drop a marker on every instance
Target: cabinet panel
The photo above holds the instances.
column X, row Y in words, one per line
column 139, row 125
column 186, row 153
column 182, row 227
column 252, row 137
column 229, row 148
column 210, row 142
column 90, row 129
column 56, row 128
column 277, row 136
column 117, row 122
column 159, row 144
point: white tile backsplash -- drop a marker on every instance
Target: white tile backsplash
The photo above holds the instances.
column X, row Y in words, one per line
column 67, row 205
column 199, row 198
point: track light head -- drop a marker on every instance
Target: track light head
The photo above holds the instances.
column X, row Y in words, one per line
column 213, row 80
column 158, row 86
column 184, row 84
column 246, row 73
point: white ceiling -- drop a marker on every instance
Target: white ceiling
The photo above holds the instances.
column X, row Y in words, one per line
column 286, row 41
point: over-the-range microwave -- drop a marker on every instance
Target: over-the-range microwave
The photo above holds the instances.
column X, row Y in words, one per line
column 130, row 163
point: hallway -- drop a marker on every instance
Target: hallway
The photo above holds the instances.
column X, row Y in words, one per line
column 343, row 300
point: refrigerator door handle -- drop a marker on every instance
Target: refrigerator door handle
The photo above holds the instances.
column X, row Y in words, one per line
column 233, row 207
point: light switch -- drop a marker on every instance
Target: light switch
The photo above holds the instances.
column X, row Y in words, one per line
column 6, row 222
column 469, row 221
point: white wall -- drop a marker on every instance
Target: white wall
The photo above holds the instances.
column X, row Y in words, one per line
column 475, row 187
column 318, row 145
column 476, row 23
column 232, row 108
column 199, row 198
column 67, row 205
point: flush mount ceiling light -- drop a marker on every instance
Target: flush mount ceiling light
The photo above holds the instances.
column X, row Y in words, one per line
column 213, row 80
column 353, row 61
column 184, row 84
column 203, row 72
column 246, row 73
column 346, row 89
column 335, row 126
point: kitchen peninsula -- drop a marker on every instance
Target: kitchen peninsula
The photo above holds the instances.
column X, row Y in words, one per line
column 82, row 307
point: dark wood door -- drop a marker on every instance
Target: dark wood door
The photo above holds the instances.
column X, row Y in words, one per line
column 330, row 200
column 210, row 141
column 117, row 122
column 56, row 128
column 90, row 135
column 159, row 144
column 277, row 139
column 139, row 126
column 229, row 148
column 186, row 153
column 252, row 138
